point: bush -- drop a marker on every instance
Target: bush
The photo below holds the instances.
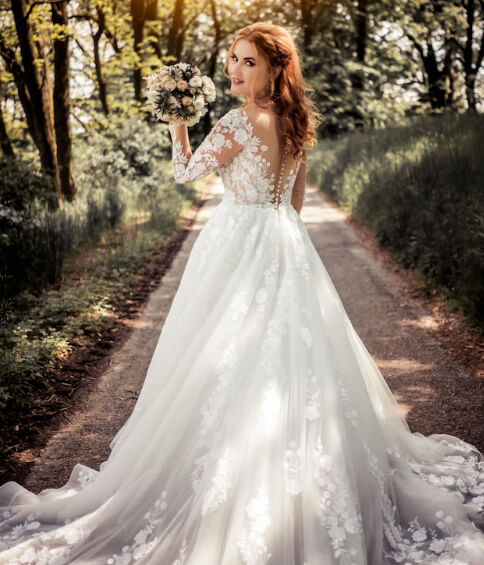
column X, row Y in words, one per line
column 419, row 187
column 123, row 175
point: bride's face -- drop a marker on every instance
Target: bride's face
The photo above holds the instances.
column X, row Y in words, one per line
column 251, row 68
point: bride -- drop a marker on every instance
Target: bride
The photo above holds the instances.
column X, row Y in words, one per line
column 264, row 432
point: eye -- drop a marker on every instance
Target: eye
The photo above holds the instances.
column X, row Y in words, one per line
column 251, row 64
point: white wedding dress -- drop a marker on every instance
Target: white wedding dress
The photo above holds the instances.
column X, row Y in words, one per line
column 264, row 432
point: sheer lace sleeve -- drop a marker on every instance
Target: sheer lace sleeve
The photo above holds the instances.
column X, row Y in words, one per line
column 227, row 137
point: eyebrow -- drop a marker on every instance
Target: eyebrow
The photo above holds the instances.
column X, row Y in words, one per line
column 245, row 58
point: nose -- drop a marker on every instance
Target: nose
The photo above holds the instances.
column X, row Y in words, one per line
column 235, row 69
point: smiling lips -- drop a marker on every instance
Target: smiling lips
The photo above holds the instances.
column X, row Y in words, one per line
column 237, row 81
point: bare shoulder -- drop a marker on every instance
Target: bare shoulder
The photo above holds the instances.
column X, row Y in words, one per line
column 259, row 116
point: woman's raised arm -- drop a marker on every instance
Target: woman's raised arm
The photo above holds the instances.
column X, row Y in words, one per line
column 224, row 141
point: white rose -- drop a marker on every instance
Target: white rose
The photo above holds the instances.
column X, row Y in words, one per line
column 195, row 82
column 209, row 82
column 186, row 100
column 209, row 94
column 182, row 84
column 199, row 102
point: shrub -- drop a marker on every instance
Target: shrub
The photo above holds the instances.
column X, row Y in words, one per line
column 419, row 187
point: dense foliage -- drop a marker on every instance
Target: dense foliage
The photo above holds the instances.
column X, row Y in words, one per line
column 122, row 173
column 419, row 187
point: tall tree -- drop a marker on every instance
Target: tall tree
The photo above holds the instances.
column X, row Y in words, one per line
column 175, row 33
column 34, row 89
column 62, row 101
column 5, row 144
column 141, row 12
column 96, row 38
column 471, row 60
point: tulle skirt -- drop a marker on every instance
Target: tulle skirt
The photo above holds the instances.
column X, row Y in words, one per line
column 264, row 434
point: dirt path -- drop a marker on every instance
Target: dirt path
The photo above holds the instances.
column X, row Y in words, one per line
column 437, row 392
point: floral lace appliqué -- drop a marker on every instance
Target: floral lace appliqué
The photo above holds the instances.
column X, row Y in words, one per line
column 313, row 397
column 416, row 544
column 338, row 513
column 251, row 543
column 63, row 540
column 143, row 542
column 293, row 468
column 221, row 483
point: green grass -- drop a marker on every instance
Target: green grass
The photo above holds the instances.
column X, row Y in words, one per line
column 420, row 188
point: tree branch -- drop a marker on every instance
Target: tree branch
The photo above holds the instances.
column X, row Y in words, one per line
column 31, row 7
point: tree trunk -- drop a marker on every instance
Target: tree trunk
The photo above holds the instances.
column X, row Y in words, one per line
column 212, row 62
column 97, row 61
column 19, row 79
column 361, row 20
column 437, row 79
column 358, row 77
column 471, row 70
column 38, row 96
column 5, row 144
column 138, row 18
column 173, row 47
column 62, row 103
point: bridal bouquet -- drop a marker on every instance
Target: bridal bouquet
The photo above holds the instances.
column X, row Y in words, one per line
column 179, row 94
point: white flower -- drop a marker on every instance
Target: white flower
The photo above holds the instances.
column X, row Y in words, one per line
column 420, row 534
column 337, row 533
column 210, row 96
column 195, row 82
column 218, row 140
column 141, row 537
column 240, row 136
column 437, row 545
column 199, row 102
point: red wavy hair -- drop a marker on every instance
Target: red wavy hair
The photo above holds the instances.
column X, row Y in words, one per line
column 297, row 114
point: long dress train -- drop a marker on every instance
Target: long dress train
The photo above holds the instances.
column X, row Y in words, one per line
column 264, row 432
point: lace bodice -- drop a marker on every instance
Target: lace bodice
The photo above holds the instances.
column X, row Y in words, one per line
column 233, row 148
